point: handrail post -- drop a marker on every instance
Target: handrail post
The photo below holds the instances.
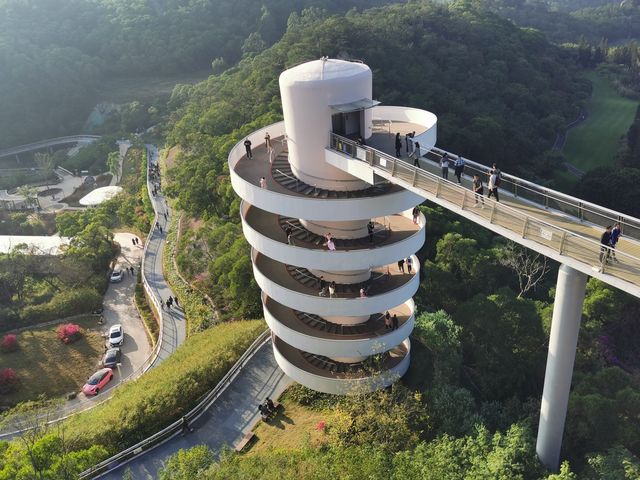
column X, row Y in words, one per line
column 493, row 212
column 438, row 188
column 464, row 199
column 515, row 189
column 393, row 167
column 415, row 176
column 524, row 227
column 546, row 201
column 562, row 240
column 581, row 211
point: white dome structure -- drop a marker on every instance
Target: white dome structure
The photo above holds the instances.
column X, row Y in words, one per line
column 326, row 239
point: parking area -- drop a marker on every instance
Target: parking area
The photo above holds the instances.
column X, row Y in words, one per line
column 119, row 308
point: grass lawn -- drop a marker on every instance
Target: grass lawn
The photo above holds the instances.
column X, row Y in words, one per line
column 595, row 142
column 291, row 428
column 47, row 366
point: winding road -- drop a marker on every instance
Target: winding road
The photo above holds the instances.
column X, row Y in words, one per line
column 119, row 308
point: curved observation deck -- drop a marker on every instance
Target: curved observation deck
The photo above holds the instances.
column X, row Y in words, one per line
column 328, row 376
column 395, row 237
column 314, row 334
column 299, row 289
column 246, row 174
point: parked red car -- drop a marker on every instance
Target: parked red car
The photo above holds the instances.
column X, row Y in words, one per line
column 97, row 381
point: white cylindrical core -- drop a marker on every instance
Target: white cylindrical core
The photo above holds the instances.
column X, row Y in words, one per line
column 308, row 91
column 345, row 230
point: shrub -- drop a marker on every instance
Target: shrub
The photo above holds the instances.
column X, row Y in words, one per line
column 63, row 304
column 9, row 343
column 8, row 380
column 69, row 332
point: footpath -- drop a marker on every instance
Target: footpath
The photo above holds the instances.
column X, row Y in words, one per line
column 233, row 414
column 174, row 328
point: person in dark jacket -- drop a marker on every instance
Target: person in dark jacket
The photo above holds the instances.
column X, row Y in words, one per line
column 398, row 144
column 605, row 241
column 615, row 236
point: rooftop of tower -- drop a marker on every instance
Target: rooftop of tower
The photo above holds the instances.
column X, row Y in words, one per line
column 323, row 69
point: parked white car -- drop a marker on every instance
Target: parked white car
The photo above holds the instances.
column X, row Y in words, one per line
column 116, row 335
column 116, row 276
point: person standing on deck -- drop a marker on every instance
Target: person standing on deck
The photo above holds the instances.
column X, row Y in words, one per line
column 444, row 164
column 398, row 144
column 247, row 146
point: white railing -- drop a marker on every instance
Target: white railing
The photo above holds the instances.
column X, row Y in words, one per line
column 560, row 240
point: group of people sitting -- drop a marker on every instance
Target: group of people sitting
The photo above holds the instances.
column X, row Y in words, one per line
column 267, row 409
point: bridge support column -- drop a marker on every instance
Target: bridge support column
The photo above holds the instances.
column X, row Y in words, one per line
column 565, row 325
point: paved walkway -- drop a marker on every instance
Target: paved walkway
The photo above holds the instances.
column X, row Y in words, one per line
column 232, row 415
column 174, row 325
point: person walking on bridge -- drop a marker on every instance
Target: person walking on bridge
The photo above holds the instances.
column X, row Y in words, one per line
column 493, row 186
column 478, row 189
column 458, row 168
column 615, row 236
column 605, row 241
column 398, row 144
column 416, row 153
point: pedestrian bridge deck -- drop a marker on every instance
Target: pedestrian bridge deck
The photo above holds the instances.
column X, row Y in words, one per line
column 561, row 227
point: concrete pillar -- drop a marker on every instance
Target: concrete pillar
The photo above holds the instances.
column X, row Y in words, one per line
column 565, row 325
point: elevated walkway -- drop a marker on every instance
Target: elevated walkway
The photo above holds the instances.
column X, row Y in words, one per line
column 560, row 227
column 51, row 142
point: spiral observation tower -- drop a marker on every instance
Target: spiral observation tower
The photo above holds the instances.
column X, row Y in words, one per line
column 326, row 242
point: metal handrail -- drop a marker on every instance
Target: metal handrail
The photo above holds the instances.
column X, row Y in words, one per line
column 171, row 430
column 518, row 185
column 288, row 176
column 338, row 143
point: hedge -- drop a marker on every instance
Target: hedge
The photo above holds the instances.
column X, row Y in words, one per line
column 63, row 304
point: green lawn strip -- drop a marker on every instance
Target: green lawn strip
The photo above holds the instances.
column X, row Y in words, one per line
column 47, row 366
column 293, row 427
column 595, row 142
column 144, row 309
column 166, row 392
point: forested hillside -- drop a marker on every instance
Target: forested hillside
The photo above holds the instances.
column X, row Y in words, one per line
column 500, row 92
column 54, row 54
column 569, row 21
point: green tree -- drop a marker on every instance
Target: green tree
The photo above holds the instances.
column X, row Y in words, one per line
column 359, row 420
column 113, row 164
column 187, row 464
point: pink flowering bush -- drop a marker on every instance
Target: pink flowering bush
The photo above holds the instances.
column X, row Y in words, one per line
column 8, row 380
column 69, row 332
column 9, row 343
column 321, row 425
